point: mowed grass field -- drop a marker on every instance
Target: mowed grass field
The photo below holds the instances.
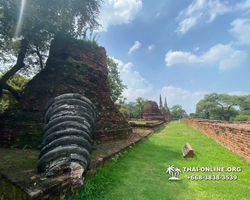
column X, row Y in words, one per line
column 140, row 173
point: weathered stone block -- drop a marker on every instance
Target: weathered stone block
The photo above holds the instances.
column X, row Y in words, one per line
column 187, row 151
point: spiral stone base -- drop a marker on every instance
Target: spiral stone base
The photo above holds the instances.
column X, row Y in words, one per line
column 67, row 137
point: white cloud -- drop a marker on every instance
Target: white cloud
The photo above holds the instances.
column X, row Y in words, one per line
column 137, row 86
column 115, row 12
column 178, row 57
column 225, row 56
column 136, row 46
column 243, row 5
column 151, row 47
column 187, row 99
column 180, row 96
column 241, row 30
column 217, row 8
column 200, row 9
column 186, row 24
column 237, row 93
column 197, row 48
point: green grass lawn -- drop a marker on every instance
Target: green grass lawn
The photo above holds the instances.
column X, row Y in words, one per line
column 140, row 173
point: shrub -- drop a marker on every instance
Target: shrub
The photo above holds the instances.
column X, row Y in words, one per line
column 241, row 118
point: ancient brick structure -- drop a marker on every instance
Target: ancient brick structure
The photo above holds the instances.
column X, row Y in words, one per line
column 73, row 66
column 168, row 117
column 165, row 110
column 66, row 143
column 152, row 112
column 234, row 137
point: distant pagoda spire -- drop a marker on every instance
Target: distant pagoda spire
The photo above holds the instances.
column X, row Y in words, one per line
column 160, row 101
column 165, row 104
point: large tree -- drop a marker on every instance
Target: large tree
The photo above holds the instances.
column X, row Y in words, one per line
column 114, row 80
column 138, row 107
column 33, row 23
column 244, row 102
column 177, row 112
column 135, row 107
column 221, row 105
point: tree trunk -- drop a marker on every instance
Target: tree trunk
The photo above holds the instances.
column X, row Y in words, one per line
column 19, row 64
column 40, row 57
column 207, row 115
column 12, row 91
column 227, row 118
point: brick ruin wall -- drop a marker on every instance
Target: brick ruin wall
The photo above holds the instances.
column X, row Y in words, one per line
column 235, row 137
column 72, row 67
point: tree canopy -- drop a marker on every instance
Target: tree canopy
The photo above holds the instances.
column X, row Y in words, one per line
column 221, row 106
column 138, row 107
column 244, row 102
column 114, row 80
column 177, row 112
column 31, row 25
column 135, row 107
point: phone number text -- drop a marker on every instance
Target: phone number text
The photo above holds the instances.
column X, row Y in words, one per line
column 213, row 177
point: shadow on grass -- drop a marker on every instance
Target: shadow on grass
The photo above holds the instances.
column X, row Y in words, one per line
column 159, row 129
column 136, row 167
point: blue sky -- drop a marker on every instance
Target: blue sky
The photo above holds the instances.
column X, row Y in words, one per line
column 179, row 49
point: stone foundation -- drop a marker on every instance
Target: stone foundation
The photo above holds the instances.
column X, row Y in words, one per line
column 147, row 125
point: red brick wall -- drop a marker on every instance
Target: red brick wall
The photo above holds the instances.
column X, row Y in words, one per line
column 235, row 137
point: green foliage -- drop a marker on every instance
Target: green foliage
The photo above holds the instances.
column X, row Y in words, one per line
column 87, row 41
column 48, row 17
column 114, row 80
column 143, row 122
column 137, row 107
column 34, row 23
column 124, row 111
column 219, row 113
column 244, row 112
column 218, row 106
column 223, row 107
column 241, row 118
column 192, row 115
column 136, row 112
column 244, row 103
column 7, row 100
column 140, row 103
column 121, row 105
column 18, row 82
column 176, row 112
column 91, row 38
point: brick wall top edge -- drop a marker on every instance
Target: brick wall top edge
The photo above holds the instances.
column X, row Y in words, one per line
column 234, row 126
